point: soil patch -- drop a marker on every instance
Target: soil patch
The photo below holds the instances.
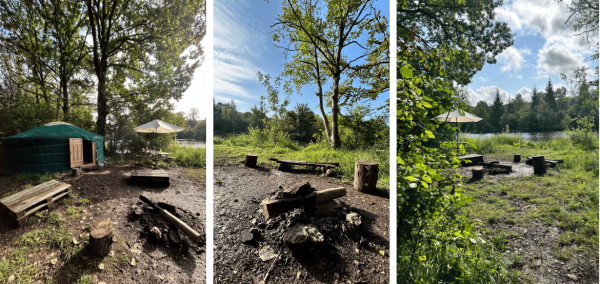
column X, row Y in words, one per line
column 105, row 194
column 247, row 247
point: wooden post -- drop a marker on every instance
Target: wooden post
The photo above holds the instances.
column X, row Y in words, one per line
column 250, row 161
column 365, row 176
column 477, row 173
column 539, row 165
column 101, row 238
column 517, row 158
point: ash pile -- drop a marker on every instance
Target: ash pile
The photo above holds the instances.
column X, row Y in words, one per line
column 497, row 171
column 306, row 224
column 168, row 225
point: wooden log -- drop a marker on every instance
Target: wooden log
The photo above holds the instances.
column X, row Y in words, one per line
column 101, row 238
column 365, row 176
column 517, row 158
column 169, row 207
column 301, row 189
column 194, row 236
column 494, row 165
column 477, row 173
column 539, row 165
column 250, row 161
column 274, row 208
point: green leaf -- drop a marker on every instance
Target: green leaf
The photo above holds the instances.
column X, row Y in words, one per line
column 406, row 72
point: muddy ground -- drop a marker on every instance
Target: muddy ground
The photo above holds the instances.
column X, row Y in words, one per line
column 113, row 198
column 530, row 246
column 359, row 256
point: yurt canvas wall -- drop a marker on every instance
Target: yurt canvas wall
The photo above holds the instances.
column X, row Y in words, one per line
column 55, row 147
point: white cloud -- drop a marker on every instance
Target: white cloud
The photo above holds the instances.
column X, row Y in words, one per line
column 512, row 58
column 562, row 51
column 483, row 79
column 240, row 42
column 487, row 94
column 519, row 77
column 525, row 93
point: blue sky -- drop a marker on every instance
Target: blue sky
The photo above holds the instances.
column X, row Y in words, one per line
column 243, row 46
column 543, row 48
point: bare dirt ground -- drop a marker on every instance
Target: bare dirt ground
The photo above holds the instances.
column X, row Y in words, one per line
column 112, row 197
column 359, row 256
column 532, row 246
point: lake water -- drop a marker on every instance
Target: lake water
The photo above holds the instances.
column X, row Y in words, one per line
column 193, row 143
column 530, row 136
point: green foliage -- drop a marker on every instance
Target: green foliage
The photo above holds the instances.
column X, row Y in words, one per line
column 236, row 147
column 187, row 156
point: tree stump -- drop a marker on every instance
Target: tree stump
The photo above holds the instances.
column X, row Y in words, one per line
column 477, row 173
column 517, row 158
column 539, row 165
column 250, row 161
column 365, row 176
column 101, row 238
column 75, row 172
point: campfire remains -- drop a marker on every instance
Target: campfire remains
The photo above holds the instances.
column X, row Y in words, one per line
column 167, row 224
column 299, row 218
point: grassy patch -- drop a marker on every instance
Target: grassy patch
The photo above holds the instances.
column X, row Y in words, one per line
column 187, row 156
column 197, row 175
column 236, row 147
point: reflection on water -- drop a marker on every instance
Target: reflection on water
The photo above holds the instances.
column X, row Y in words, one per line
column 191, row 142
column 531, row 136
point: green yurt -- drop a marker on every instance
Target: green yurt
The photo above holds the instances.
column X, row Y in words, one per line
column 55, row 147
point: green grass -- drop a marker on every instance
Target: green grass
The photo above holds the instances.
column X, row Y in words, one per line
column 567, row 198
column 235, row 148
column 187, row 156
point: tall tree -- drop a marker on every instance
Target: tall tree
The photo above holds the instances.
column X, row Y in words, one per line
column 497, row 110
column 468, row 26
column 142, row 37
column 518, row 103
column 550, row 96
column 535, row 98
column 319, row 37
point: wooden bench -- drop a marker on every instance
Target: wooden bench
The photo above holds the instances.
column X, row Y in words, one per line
column 474, row 158
column 288, row 163
column 21, row 205
column 160, row 177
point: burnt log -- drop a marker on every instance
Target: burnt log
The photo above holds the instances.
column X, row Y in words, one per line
column 301, row 189
column 365, row 176
column 194, row 236
column 274, row 208
column 101, row 238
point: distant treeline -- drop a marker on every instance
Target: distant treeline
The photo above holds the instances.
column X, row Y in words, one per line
column 361, row 126
column 549, row 110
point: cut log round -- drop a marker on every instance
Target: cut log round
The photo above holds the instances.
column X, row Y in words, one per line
column 539, row 165
column 101, row 238
column 365, row 176
column 477, row 172
column 250, row 161
column 517, row 158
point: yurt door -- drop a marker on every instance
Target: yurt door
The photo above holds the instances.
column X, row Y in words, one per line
column 76, row 149
column 95, row 152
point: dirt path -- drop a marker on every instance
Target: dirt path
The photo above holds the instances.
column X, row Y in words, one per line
column 357, row 257
column 534, row 247
column 113, row 198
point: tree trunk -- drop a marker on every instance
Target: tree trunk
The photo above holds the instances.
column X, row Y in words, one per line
column 365, row 176
column 101, row 238
column 102, row 108
column 334, row 139
column 65, row 97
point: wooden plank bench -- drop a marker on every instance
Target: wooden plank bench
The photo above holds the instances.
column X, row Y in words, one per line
column 155, row 176
column 474, row 158
column 21, row 205
column 288, row 163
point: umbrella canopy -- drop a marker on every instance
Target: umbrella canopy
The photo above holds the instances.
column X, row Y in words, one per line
column 158, row 126
column 456, row 116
